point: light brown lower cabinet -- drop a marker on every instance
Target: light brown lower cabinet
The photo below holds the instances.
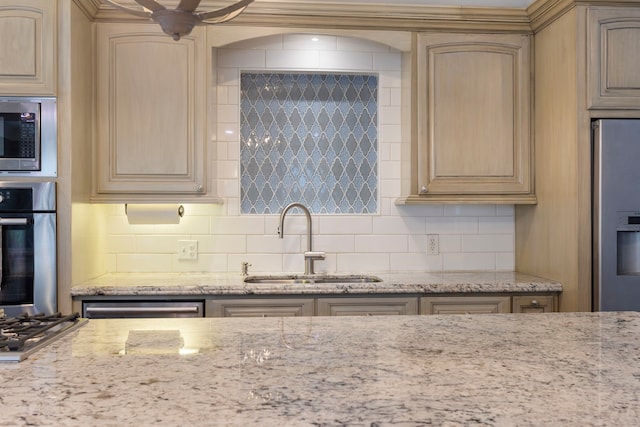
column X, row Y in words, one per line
column 534, row 304
column 260, row 307
column 465, row 304
column 367, row 306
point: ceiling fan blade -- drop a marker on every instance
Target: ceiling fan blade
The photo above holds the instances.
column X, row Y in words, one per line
column 152, row 5
column 135, row 12
column 226, row 13
column 188, row 5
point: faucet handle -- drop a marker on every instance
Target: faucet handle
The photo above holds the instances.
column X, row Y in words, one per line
column 314, row 255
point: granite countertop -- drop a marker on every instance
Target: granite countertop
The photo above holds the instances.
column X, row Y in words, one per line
column 555, row 369
column 148, row 284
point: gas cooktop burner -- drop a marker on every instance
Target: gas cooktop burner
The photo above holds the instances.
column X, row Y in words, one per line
column 22, row 335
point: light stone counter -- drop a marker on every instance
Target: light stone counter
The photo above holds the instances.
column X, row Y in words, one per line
column 130, row 284
column 557, row 369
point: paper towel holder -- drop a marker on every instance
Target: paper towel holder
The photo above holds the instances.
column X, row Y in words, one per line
column 180, row 210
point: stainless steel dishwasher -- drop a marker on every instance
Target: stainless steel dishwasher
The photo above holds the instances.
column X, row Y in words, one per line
column 141, row 309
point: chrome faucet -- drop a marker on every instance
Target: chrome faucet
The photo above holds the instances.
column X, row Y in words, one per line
column 309, row 256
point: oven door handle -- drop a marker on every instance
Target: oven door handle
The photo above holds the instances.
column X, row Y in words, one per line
column 14, row 221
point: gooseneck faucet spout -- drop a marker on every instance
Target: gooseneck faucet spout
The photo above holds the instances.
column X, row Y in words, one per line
column 309, row 256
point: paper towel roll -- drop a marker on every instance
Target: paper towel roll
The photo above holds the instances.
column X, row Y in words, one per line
column 154, row 214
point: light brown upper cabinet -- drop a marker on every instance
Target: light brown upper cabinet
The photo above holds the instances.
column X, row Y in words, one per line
column 614, row 57
column 28, row 47
column 151, row 115
column 471, row 138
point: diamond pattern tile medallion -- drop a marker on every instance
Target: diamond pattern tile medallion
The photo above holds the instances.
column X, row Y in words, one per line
column 309, row 138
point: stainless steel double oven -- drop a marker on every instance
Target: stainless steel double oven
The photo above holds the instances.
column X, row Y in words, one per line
column 28, row 250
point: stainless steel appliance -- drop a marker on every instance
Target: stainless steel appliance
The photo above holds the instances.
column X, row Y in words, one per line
column 616, row 215
column 28, row 136
column 28, row 268
column 22, row 335
column 142, row 309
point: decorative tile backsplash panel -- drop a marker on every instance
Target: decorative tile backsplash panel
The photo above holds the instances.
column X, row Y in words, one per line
column 309, row 138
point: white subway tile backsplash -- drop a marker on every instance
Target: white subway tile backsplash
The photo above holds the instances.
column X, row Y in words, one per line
column 345, row 224
column 351, row 61
column 450, row 243
column 221, row 244
column 505, row 261
column 143, row 263
column 309, row 42
column 387, row 61
column 228, row 169
column 415, row 262
column 237, row 225
column 210, row 263
column 505, row 210
column 390, row 187
column 390, row 133
column 471, row 237
column 158, row 243
column 469, row 261
column 390, row 116
column 363, row 263
column 272, row 42
column 496, row 225
column 121, row 243
column 470, row 210
column 274, row 244
column 260, row 263
column 228, row 113
column 293, row 59
column 452, row 225
column 228, row 76
column 384, row 243
column 360, row 45
column 391, row 169
column 242, row 58
column 398, row 225
column 487, row 243
column 333, row 243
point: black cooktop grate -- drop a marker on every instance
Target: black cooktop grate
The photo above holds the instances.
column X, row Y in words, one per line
column 17, row 332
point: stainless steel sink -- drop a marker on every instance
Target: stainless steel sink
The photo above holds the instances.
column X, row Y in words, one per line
column 312, row 279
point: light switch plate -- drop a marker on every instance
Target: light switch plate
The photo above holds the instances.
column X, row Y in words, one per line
column 187, row 249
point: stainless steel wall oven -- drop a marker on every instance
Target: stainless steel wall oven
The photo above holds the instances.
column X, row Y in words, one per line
column 28, row 266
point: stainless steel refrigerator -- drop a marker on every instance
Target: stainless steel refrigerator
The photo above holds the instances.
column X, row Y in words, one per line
column 616, row 214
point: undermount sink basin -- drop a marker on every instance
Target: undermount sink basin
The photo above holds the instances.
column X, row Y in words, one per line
column 312, row 279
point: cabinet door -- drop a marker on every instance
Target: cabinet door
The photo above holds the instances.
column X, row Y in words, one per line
column 259, row 307
column 614, row 57
column 347, row 306
column 28, row 47
column 473, row 118
column 534, row 304
column 150, row 112
column 465, row 305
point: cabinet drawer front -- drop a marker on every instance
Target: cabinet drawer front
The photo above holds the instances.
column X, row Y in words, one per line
column 534, row 304
column 259, row 307
column 465, row 305
column 367, row 306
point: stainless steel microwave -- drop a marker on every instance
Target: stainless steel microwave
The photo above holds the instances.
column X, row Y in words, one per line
column 28, row 136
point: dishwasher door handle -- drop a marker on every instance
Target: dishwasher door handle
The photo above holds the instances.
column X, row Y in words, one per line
column 110, row 311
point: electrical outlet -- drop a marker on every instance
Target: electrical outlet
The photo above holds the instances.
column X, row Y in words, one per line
column 433, row 244
column 187, row 249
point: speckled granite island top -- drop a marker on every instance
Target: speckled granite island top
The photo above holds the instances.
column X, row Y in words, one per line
column 557, row 369
column 233, row 284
